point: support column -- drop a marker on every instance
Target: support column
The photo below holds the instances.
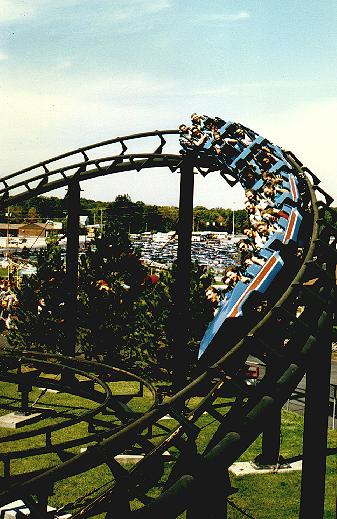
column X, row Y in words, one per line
column 181, row 309
column 271, row 434
column 316, row 425
column 73, row 224
column 270, row 454
column 210, row 496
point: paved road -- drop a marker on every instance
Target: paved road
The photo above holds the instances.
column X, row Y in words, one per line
column 297, row 401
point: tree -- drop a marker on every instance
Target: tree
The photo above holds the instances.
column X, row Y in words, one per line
column 124, row 213
column 124, row 314
column 32, row 215
column 15, row 213
column 39, row 327
column 118, row 305
column 169, row 215
column 241, row 220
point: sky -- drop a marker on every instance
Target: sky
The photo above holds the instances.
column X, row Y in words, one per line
column 77, row 72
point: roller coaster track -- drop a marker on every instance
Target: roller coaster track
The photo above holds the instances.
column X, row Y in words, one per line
column 195, row 477
column 58, row 172
column 91, row 381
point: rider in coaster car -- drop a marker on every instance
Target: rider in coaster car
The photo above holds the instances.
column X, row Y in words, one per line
column 248, row 175
column 206, row 123
column 271, row 178
column 243, row 137
column 232, row 276
column 253, row 211
column 267, row 197
column 213, row 295
column 248, row 255
column 252, row 196
column 226, row 146
column 198, row 120
column 212, row 125
column 185, row 138
column 264, row 158
column 264, row 232
column 198, row 137
column 190, row 138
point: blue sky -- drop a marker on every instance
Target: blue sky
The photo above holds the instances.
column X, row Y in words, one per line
column 76, row 72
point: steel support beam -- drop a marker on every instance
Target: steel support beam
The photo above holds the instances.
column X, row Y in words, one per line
column 211, row 496
column 73, row 224
column 181, row 310
column 271, row 440
column 316, row 426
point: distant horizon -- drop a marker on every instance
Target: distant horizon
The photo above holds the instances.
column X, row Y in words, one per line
column 50, row 195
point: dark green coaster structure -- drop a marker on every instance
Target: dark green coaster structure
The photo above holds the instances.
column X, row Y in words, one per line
column 290, row 342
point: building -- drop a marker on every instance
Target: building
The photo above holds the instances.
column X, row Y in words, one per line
column 29, row 230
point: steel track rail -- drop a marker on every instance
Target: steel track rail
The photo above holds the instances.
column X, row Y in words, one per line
column 49, row 175
column 219, row 369
column 11, row 371
column 122, row 439
column 239, row 434
column 45, row 182
column 239, row 427
column 85, row 149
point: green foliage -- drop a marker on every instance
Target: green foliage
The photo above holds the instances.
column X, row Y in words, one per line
column 32, row 215
column 331, row 216
column 41, row 330
column 133, row 217
column 136, row 217
column 131, row 324
column 124, row 316
column 219, row 219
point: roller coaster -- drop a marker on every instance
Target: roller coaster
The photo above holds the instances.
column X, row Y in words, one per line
column 291, row 335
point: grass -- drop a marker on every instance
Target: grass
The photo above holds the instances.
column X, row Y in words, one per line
column 272, row 496
column 277, row 495
column 4, row 272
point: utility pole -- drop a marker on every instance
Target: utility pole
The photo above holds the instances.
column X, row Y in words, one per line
column 8, row 214
column 101, row 221
column 233, row 223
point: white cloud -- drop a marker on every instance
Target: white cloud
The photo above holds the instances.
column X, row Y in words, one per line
column 46, row 121
column 3, row 56
column 130, row 84
column 129, row 16
column 21, row 11
column 134, row 11
column 156, row 6
column 219, row 18
column 151, row 6
column 17, row 10
column 250, row 88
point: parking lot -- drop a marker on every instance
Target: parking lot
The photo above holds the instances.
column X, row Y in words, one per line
column 214, row 253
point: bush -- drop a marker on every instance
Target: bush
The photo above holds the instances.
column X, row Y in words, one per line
column 123, row 317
